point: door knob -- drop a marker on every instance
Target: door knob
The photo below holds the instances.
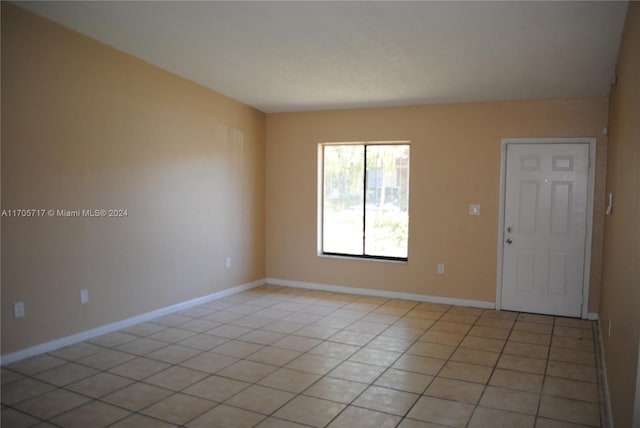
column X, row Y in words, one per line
column 509, row 241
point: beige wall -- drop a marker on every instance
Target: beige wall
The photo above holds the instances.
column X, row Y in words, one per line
column 455, row 161
column 86, row 126
column 621, row 268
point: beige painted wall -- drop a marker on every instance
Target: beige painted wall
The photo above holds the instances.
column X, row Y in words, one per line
column 455, row 161
column 86, row 126
column 621, row 267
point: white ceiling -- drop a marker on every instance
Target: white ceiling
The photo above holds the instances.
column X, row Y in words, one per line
column 290, row 56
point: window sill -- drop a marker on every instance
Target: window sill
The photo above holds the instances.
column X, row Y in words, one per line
column 363, row 258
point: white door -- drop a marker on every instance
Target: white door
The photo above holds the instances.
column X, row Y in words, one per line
column 545, row 223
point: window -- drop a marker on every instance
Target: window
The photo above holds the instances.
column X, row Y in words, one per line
column 365, row 200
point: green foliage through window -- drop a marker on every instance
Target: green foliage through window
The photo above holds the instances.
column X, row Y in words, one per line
column 365, row 200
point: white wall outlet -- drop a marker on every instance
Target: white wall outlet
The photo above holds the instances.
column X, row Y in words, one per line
column 18, row 309
column 84, row 296
column 227, row 262
column 474, row 209
column 440, row 268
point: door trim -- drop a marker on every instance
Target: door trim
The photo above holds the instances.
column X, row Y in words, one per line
column 590, row 195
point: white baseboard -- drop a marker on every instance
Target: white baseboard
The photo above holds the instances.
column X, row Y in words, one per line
column 119, row 325
column 382, row 293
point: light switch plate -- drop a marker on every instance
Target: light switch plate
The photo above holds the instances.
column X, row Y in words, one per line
column 18, row 309
column 474, row 209
column 84, row 296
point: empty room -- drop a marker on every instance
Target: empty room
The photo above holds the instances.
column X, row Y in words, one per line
column 297, row 214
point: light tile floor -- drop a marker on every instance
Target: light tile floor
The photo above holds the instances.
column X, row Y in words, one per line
column 282, row 358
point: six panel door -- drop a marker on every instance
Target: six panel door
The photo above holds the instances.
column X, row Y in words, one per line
column 545, row 228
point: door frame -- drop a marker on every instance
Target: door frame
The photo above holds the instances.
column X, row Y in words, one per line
column 590, row 197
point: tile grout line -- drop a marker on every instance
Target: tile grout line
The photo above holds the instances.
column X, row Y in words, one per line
column 244, row 358
column 493, row 368
column 546, row 368
column 402, row 417
column 406, row 415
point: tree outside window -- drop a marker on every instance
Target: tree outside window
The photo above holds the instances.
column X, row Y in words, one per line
column 365, row 200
